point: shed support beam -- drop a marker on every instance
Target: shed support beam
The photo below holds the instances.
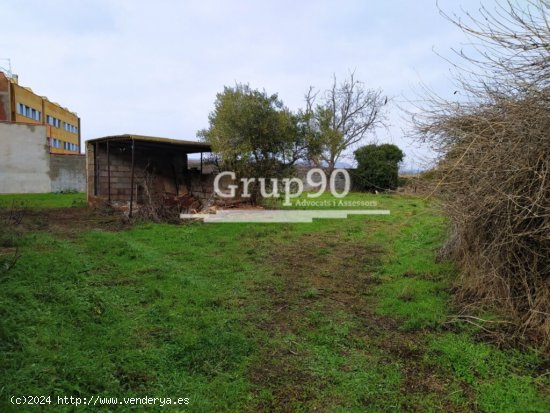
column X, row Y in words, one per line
column 132, row 180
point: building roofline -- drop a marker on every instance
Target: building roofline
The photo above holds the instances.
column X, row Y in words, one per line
column 191, row 146
column 30, row 90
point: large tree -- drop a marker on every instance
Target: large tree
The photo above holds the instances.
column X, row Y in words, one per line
column 253, row 133
column 339, row 118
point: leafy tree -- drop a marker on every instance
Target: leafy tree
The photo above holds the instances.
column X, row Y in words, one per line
column 377, row 167
column 253, row 133
column 340, row 118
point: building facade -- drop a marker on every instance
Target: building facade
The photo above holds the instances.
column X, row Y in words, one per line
column 20, row 104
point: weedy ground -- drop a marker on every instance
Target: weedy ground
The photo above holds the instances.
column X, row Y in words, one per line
column 349, row 315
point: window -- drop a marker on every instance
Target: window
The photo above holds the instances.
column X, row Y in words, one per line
column 28, row 112
column 56, row 143
column 68, row 146
column 70, row 128
column 50, row 120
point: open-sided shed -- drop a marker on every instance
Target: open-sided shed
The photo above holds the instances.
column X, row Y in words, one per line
column 129, row 170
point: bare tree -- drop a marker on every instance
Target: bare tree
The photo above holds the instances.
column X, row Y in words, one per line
column 340, row 118
column 511, row 45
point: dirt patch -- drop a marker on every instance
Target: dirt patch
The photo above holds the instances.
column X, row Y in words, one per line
column 68, row 222
column 330, row 274
column 316, row 272
column 320, row 273
column 288, row 384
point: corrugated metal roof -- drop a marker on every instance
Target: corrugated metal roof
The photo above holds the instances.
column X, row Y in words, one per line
column 199, row 146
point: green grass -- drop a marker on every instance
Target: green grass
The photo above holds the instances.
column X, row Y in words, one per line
column 334, row 316
column 52, row 200
column 497, row 377
column 413, row 287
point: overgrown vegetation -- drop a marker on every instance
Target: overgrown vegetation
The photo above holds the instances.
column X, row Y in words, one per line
column 337, row 315
column 494, row 174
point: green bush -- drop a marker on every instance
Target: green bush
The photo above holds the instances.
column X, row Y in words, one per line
column 377, row 167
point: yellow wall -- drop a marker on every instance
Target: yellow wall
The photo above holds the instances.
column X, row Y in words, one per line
column 51, row 109
column 47, row 108
column 28, row 98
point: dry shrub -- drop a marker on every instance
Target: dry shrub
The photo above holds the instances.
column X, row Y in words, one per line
column 421, row 184
column 494, row 172
column 496, row 188
column 159, row 206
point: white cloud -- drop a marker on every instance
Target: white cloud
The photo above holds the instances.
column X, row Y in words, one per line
column 155, row 68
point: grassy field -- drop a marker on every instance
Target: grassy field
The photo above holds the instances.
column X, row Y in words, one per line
column 54, row 200
column 334, row 316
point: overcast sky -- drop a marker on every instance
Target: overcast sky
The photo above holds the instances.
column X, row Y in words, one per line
column 154, row 67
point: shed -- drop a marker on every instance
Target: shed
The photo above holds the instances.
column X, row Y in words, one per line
column 129, row 170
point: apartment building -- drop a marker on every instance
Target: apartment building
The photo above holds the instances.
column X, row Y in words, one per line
column 20, row 104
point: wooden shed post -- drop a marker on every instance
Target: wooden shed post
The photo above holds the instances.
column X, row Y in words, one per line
column 132, row 180
column 108, row 173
